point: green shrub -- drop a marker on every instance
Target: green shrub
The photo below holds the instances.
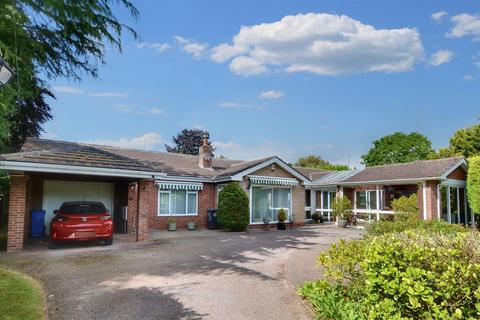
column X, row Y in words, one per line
column 473, row 183
column 406, row 208
column 437, row 226
column 282, row 215
column 422, row 275
column 342, row 208
column 432, row 272
column 233, row 213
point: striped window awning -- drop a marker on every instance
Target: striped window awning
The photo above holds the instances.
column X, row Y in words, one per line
column 174, row 185
column 277, row 181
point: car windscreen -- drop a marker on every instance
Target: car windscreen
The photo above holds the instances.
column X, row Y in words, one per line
column 82, row 208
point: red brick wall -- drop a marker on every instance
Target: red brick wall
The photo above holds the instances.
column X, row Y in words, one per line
column 17, row 210
column 132, row 208
column 206, row 200
column 431, row 200
column 146, row 207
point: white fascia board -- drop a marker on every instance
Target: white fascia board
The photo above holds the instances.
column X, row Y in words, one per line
column 81, row 170
column 390, row 182
column 461, row 163
column 274, row 160
column 454, row 183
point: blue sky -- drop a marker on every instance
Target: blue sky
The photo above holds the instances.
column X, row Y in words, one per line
column 302, row 77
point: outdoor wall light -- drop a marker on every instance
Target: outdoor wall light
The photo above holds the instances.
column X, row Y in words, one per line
column 6, row 72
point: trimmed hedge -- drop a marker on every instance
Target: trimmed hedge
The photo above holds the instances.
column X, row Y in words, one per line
column 233, row 212
column 427, row 272
column 473, row 183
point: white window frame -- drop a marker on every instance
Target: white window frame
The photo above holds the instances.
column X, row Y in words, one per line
column 170, row 214
column 289, row 210
column 217, row 193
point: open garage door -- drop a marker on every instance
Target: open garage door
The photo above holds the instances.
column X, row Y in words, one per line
column 57, row 192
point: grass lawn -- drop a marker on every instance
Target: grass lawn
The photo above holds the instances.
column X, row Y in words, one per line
column 21, row 297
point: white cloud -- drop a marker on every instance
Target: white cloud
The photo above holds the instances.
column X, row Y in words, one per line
column 197, row 126
column 238, row 105
column 133, row 109
column 196, row 49
column 324, row 44
column 441, row 57
column 246, row 66
column 468, row 77
column 237, row 151
column 157, row 47
column 72, row 90
column 271, row 94
column 69, row 90
column 438, row 16
column 148, row 141
column 465, row 25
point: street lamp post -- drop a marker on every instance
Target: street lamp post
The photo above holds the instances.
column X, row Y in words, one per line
column 6, row 72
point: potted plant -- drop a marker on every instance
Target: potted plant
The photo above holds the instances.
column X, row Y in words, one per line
column 281, row 217
column 317, row 218
column 172, row 224
column 191, row 225
column 342, row 210
column 266, row 222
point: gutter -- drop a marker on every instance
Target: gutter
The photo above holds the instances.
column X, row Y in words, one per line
column 68, row 169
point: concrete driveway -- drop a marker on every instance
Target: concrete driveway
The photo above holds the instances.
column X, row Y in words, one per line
column 184, row 275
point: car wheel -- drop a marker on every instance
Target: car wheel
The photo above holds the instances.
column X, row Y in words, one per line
column 108, row 242
column 53, row 245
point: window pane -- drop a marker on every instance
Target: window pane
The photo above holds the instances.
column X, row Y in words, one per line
column 164, row 203
column 361, row 200
column 178, row 201
column 192, row 203
column 261, row 204
column 373, row 200
column 454, row 205
column 444, row 208
column 333, row 195
column 281, row 199
column 325, row 196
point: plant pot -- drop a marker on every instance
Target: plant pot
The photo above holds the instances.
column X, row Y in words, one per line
column 172, row 226
column 191, row 225
column 342, row 223
column 281, row 226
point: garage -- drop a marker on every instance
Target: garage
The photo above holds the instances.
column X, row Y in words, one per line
column 57, row 192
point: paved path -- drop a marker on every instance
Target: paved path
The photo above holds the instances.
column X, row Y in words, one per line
column 185, row 275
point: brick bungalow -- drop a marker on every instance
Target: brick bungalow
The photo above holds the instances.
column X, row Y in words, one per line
column 150, row 187
column 439, row 184
column 144, row 189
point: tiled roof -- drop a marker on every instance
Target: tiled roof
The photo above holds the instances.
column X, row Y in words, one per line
column 312, row 173
column 89, row 155
column 416, row 170
column 74, row 154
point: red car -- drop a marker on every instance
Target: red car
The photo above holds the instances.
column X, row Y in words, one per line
column 81, row 221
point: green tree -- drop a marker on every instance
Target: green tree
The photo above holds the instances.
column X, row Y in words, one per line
column 466, row 141
column 187, row 142
column 233, row 213
column 317, row 162
column 473, row 183
column 53, row 38
column 398, row 148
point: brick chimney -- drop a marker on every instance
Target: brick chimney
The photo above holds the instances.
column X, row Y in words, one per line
column 205, row 154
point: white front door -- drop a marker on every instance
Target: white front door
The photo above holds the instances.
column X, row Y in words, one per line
column 57, row 192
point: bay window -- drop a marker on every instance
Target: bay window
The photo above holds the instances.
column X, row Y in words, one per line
column 177, row 202
column 267, row 202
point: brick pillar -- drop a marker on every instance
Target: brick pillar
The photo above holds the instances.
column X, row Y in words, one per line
column 132, row 208
column 430, row 204
column 146, row 205
column 17, row 211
